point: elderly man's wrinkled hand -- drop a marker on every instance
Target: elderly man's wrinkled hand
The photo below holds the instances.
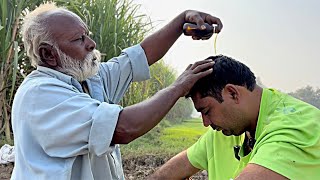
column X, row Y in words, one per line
column 192, row 74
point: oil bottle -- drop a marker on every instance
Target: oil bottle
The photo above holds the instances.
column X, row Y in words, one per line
column 190, row 29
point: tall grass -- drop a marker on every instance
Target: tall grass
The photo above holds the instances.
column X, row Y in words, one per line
column 11, row 56
column 114, row 24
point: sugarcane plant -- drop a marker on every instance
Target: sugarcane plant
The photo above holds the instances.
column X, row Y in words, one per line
column 12, row 61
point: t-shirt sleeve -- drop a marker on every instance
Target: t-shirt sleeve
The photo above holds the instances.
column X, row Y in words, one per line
column 291, row 152
column 119, row 72
column 197, row 153
column 281, row 158
column 287, row 134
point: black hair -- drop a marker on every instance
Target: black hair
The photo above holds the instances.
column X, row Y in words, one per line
column 225, row 71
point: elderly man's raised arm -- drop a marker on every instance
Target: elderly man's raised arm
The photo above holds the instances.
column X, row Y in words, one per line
column 157, row 44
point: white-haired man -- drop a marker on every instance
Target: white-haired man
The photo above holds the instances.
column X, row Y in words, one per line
column 65, row 120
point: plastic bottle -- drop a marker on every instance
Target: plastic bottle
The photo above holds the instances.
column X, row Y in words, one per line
column 190, row 29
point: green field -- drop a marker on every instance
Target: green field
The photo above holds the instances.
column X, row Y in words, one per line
column 166, row 139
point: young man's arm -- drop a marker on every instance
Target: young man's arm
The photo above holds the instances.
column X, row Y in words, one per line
column 178, row 167
column 257, row 172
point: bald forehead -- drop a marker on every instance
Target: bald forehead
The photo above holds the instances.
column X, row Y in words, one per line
column 59, row 12
column 62, row 22
column 62, row 16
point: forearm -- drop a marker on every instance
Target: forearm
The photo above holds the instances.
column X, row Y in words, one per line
column 138, row 119
column 157, row 44
column 178, row 167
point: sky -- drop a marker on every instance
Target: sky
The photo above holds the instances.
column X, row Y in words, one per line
column 277, row 40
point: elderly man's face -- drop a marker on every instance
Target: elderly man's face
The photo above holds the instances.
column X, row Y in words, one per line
column 77, row 54
column 71, row 34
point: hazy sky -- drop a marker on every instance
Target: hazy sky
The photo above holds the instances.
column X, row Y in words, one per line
column 278, row 40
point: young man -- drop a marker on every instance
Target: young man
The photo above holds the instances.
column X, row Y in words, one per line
column 282, row 139
column 65, row 121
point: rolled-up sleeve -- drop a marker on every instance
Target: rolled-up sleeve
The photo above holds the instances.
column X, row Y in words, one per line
column 104, row 120
column 139, row 63
column 119, row 72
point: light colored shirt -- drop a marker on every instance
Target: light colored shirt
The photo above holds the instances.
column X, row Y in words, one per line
column 61, row 133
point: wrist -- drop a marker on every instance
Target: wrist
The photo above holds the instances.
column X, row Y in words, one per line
column 181, row 19
column 184, row 14
column 176, row 90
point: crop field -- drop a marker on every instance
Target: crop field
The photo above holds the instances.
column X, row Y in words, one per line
column 144, row 155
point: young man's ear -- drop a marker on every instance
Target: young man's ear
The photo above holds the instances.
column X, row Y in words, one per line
column 232, row 92
column 48, row 54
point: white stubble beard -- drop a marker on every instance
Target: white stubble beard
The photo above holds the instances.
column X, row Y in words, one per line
column 80, row 69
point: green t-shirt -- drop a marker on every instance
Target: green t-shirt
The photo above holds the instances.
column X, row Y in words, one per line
column 287, row 140
column 214, row 152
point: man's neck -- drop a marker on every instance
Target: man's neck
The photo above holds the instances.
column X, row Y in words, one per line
column 255, row 108
column 85, row 87
column 248, row 143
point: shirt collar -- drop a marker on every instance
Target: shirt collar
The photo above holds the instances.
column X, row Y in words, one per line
column 56, row 74
column 61, row 76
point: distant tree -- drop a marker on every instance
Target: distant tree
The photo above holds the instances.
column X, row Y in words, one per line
column 162, row 75
column 308, row 94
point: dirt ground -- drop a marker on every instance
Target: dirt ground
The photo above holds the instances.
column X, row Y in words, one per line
column 141, row 167
column 134, row 168
column 5, row 171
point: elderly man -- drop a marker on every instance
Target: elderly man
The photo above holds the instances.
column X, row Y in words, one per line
column 273, row 135
column 65, row 120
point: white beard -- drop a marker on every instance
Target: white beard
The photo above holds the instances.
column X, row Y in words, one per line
column 80, row 69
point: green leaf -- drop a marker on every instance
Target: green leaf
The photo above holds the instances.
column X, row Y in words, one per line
column 15, row 68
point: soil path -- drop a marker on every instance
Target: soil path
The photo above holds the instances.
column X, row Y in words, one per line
column 134, row 168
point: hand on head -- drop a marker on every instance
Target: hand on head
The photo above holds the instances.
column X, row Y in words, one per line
column 192, row 74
